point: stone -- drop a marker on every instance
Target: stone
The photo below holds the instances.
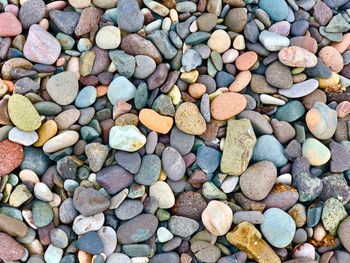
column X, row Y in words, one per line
column 309, row 187
column 190, row 204
column 13, row 226
column 138, row 229
column 340, row 157
column 294, row 56
column 130, row 18
column 23, row 114
column 253, row 217
column 219, row 41
column 255, row 188
column 290, row 112
column 161, row 40
column 58, row 238
column 90, row 243
column 321, row 121
column 322, row 13
column 9, row 25
column 189, row 120
column 333, row 213
column 331, row 58
column 278, row 227
column 82, row 224
column 217, row 218
column 259, row 123
column 124, row 63
column 268, row 148
column 129, row 209
column 86, row 97
column 278, row 75
column 162, row 192
column 149, row 171
column 13, row 154
column 21, row 137
column 120, row 89
column 114, row 178
column 49, row 50
column 89, row 19
column 236, row 155
column 301, row 89
column 208, row 159
column 144, row 66
column 53, row 254
column 276, row 9
column 155, row 122
column 173, row 164
column 66, row 21
column 42, row 213
column 273, row 41
column 223, row 108
column 248, row 239
column 343, row 233
column 89, row 202
column 43, row 192
column 205, row 251
column 63, row 87
column 129, row 161
column 61, row 141
column 246, row 60
column 108, row 37
column 10, row 249
column 191, row 59
column 126, row 138
column 96, row 154
column 32, row 12
column 236, row 19
column 182, row 226
column 335, row 185
column 315, row 152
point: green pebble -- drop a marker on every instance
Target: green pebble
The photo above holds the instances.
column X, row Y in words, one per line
column 210, row 191
column 66, row 41
column 42, row 213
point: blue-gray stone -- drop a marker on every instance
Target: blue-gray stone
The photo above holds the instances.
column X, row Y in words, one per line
column 191, row 59
column 290, row 112
column 197, row 38
column 42, row 213
column 149, row 171
column 137, row 250
column 161, row 40
column 120, row 89
column 208, row 159
column 35, row 160
column 268, row 148
column 278, row 227
column 90, row 243
column 276, row 9
column 309, row 187
column 86, row 97
column 130, row 17
column 223, row 79
column 124, row 62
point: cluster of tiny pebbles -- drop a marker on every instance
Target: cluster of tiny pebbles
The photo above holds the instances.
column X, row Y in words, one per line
column 175, row 131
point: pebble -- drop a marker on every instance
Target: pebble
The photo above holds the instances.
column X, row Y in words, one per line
column 144, row 66
column 10, row 249
column 126, row 138
column 222, row 109
column 162, row 192
column 149, row 171
column 86, row 97
column 42, row 213
column 182, row 226
column 217, row 218
column 13, row 154
column 173, row 164
column 278, row 227
column 155, row 122
column 219, row 41
column 138, row 229
column 90, row 243
column 89, row 202
column 21, row 137
column 189, row 120
column 114, row 179
column 301, row 89
column 43, row 192
column 279, row 76
column 120, row 89
column 273, row 41
column 343, row 232
column 316, row 152
column 9, row 25
column 31, row 12
column 23, row 114
column 130, row 18
column 49, row 46
column 61, row 141
column 63, row 88
column 236, row 154
column 321, row 121
column 332, row 214
column 258, row 189
column 108, row 37
column 295, row 56
column 276, row 9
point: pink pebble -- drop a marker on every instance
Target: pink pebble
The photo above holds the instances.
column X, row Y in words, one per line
column 282, row 28
column 343, row 109
column 120, row 108
column 12, row 9
column 305, row 250
column 57, row 5
column 189, row 159
column 9, row 25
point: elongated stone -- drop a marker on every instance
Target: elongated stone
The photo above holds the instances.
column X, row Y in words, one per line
column 238, row 148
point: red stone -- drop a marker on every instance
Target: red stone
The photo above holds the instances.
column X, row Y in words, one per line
column 10, row 249
column 11, row 156
column 9, row 25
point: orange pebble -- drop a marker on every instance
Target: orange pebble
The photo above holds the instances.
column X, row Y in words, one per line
column 10, row 85
column 227, row 105
column 343, row 45
column 196, row 90
column 155, row 122
column 246, row 60
column 101, row 90
column 60, row 61
column 242, row 80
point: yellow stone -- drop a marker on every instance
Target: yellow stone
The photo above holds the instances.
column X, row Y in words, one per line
column 248, row 239
column 162, row 175
column 190, row 77
column 46, row 132
column 175, row 95
column 329, row 82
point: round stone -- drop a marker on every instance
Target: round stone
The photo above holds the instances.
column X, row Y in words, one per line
column 149, row 171
column 155, row 121
column 86, row 97
column 129, row 209
column 189, row 120
column 344, row 233
column 173, row 164
column 279, row 76
column 144, row 66
column 246, row 60
column 332, row 58
column 63, row 87
column 278, row 227
column 276, row 9
column 219, row 41
column 255, row 188
column 108, row 37
column 236, row 19
column 43, row 192
column 9, row 25
column 190, row 204
column 217, row 217
column 58, row 238
column 26, row 138
column 162, row 192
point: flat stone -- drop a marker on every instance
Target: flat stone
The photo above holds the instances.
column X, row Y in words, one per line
column 130, row 18
column 31, row 12
column 129, row 209
column 126, row 138
column 182, row 226
column 42, row 213
column 66, row 21
column 173, row 163
column 24, row 138
column 114, row 178
column 162, row 192
column 236, row 156
column 13, row 154
column 9, row 25
column 278, row 75
column 161, row 40
column 129, row 161
column 120, row 89
column 89, row 202
column 138, row 229
column 61, row 141
column 301, row 89
column 90, row 243
column 294, row 56
column 149, row 171
column 10, row 249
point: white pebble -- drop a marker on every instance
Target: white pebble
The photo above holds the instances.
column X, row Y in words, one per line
column 284, row 179
column 229, row 184
column 42, row 192
column 270, row 100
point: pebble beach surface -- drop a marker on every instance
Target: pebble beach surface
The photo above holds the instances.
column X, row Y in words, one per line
column 175, row 131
